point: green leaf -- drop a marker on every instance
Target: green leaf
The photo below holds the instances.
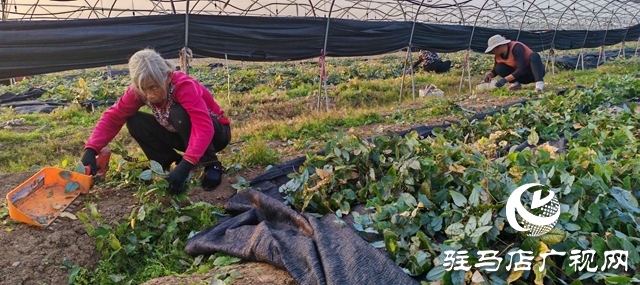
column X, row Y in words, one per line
column 146, row 175
column 94, row 213
column 533, row 138
column 571, row 227
column 554, row 236
column 474, row 198
column 225, row 260
column 390, row 239
column 567, row 179
column 436, row 273
column 457, row 277
column 531, row 244
column 599, row 245
column 574, row 211
column 114, row 242
column 83, row 217
column 455, row 230
column 627, row 182
column 409, row 200
column 471, row 225
column 458, row 198
column 617, row 279
column 71, row 186
column 625, row 199
column 486, row 218
column 65, row 174
column 91, row 231
column 141, row 213
column 74, row 274
column 117, row 278
column 540, row 272
column 481, row 230
column 183, row 219
column 585, row 276
column 235, row 274
column 593, row 214
column 418, row 263
column 514, row 275
column 156, row 167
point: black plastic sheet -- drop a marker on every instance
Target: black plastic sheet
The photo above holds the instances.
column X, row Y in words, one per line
column 30, row 48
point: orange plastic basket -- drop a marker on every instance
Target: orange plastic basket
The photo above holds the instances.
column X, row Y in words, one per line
column 41, row 199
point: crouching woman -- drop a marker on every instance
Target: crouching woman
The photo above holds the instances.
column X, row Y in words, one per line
column 184, row 117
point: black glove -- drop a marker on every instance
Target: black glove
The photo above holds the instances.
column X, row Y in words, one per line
column 89, row 159
column 178, row 177
column 501, row 82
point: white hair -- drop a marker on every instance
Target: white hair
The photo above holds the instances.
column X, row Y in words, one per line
column 149, row 64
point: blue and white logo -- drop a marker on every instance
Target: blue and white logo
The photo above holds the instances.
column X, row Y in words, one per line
column 547, row 211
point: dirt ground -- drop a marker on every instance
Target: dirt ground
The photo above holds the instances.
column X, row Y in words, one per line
column 32, row 255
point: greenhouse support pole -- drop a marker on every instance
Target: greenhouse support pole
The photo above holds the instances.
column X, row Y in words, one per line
column 581, row 58
column 324, row 53
column 553, row 62
column 4, row 13
column 549, row 58
column 473, row 30
column 186, row 39
column 226, row 64
column 469, row 68
column 637, row 45
column 553, row 40
column 404, row 71
column 109, row 71
column 321, row 64
column 413, row 85
column 600, row 56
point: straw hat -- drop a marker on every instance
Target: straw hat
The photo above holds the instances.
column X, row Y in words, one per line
column 495, row 41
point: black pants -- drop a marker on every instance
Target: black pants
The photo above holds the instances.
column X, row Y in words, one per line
column 438, row 66
column 159, row 144
column 535, row 72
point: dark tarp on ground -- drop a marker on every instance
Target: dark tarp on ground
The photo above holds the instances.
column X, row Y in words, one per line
column 37, row 47
column 590, row 59
column 314, row 251
column 25, row 103
column 32, row 93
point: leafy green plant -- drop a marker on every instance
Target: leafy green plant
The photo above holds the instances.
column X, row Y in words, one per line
column 452, row 186
column 149, row 244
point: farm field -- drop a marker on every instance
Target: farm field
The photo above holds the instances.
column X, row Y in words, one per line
column 426, row 195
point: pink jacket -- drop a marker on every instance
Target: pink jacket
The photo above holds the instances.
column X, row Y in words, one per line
column 188, row 92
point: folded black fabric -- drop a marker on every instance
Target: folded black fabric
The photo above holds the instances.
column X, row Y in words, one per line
column 314, row 251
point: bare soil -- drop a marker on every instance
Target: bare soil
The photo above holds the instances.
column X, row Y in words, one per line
column 485, row 101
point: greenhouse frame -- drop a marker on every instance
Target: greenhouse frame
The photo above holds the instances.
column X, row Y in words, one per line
column 43, row 36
